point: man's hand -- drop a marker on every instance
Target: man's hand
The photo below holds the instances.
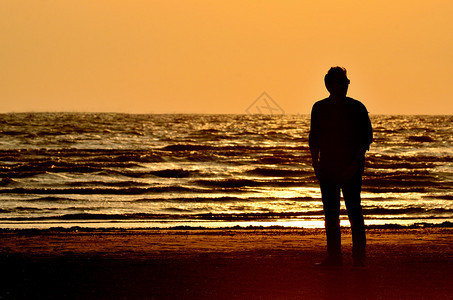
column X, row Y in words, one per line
column 315, row 161
column 317, row 169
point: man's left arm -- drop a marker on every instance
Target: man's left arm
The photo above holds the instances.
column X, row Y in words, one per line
column 367, row 130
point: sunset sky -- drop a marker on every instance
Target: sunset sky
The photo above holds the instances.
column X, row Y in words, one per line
column 219, row 56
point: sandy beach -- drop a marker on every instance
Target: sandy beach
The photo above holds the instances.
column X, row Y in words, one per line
column 254, row 263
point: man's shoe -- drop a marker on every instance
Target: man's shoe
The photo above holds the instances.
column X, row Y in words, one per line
column 331, row 262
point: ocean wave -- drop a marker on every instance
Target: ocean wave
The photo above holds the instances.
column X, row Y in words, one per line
column 242, row 183
column 228, row 183
column 398, row 163
column 55, row 199
column 173, row 216
column 12, row 133
column 239, row 148
column 166, row 173
column 442, row 197
column 408, row 159
column 180, row 214
column 123, row 184
column 384, row 211
column 394, row 189
column 280, row 160
column 272, row 172
column 103, row 191
column 401, row 182
column 177, row 173
column 420, row 139
column 223, row 199
column 7, row 181
column 30, row 169
column 81, row 155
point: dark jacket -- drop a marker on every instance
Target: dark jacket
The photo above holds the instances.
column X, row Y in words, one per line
column 338, row 131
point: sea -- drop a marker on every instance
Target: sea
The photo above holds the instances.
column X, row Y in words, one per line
column 111, row 170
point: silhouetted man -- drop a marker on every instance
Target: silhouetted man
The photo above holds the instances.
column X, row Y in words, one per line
column 340, row 134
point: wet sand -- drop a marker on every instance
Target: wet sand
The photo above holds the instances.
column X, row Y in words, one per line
column 222, row 264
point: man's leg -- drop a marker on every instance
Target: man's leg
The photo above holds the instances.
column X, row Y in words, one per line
column 331, row 203
column 351, row 194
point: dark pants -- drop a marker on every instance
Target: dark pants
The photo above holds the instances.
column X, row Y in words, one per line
column 331, row 200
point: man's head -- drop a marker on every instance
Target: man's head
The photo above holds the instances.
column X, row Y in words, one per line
column 337, row 82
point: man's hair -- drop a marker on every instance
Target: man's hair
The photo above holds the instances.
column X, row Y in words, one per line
column 333, row 72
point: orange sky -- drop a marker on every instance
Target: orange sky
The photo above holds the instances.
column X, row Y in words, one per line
column 219, row 56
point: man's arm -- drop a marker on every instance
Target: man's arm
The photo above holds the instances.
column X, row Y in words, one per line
column 315, row 160
column 366, row 138
column 361, row 153
column 314, row 139
column 367, row 130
